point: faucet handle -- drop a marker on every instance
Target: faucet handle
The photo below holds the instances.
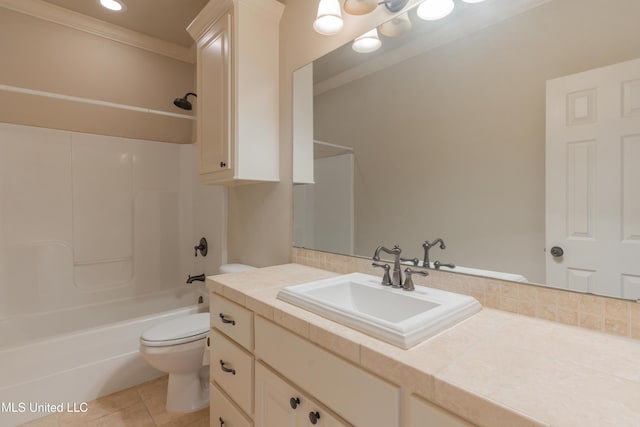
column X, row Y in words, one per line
column 386, row 279
column 408, row 281
column 439, row 264
column 414, row 261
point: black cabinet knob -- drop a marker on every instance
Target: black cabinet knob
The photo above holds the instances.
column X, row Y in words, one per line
column 221, row 421
column 294, row 402
column 557, row 251
column 314, row 417
column 223, row 164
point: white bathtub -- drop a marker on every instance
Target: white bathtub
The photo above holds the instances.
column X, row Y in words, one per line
column 57, row 366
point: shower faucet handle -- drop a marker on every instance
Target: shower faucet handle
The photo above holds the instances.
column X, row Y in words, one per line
column 203, row 247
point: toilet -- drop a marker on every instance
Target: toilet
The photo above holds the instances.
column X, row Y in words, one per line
column 179, row 348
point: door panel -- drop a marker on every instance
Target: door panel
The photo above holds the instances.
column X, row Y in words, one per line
column 593, row 180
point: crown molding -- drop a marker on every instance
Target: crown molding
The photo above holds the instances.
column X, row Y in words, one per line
column 59, row 15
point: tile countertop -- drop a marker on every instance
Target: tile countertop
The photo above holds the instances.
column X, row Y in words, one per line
column 495, row 368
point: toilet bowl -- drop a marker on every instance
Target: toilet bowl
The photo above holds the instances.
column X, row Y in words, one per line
column 178, row 347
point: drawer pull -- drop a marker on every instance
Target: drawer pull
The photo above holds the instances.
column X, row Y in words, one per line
column 221, row 421
column 227, row 370
column 294, row 402
column 225, row 320
column 314, row 417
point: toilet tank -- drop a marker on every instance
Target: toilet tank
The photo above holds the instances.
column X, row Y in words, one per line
column 234, row 268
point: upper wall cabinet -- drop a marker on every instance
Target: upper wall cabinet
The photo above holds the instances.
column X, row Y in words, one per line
column 237, row 130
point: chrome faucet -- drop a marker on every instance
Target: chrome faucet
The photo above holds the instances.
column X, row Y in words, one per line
column 426, row 246
column 396, row 280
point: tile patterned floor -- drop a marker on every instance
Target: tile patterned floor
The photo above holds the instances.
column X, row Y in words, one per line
column 139, row 406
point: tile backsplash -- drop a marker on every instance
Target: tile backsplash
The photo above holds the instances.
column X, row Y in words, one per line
column 609, row 315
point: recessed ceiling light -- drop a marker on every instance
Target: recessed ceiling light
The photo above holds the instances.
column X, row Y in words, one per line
column 114, row 5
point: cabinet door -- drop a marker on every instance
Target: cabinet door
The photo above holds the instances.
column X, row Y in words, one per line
column 277, row 403
column 425, row 414
column 214, row 98
column 280, row 404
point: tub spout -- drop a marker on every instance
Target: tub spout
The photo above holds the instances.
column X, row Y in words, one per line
column 199, row 278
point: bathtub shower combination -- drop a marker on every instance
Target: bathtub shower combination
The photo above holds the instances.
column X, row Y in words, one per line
column 96, row 242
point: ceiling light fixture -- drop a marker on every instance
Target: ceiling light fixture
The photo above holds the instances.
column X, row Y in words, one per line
column 114, row 5
column 329, row 18
column 368, row 42
column 432, row 10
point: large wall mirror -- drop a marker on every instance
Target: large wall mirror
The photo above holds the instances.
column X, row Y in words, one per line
column 443, row 132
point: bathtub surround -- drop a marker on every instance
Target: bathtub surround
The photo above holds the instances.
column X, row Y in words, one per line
column 88, row 219
column 94, row 230
column 613, row 316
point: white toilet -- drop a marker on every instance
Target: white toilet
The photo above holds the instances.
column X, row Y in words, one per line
column 179, row 347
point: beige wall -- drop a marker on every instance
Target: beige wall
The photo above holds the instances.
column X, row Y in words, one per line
column 41, row 55
column 260, row 215
column 451, row 143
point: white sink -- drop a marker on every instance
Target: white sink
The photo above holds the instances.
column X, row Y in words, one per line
column 399, row 317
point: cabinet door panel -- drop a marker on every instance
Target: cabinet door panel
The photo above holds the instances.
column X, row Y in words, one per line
column 272, row 396
column 424, row 414
column 357, row 396
column 214, row 72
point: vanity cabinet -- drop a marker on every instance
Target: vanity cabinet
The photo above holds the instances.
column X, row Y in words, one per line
column 237, row 88
column 264, row 375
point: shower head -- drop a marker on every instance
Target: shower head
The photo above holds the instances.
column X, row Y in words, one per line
column 183, row 102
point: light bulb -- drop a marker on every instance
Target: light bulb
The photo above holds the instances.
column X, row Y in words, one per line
column 114, row 5
column 432, row 10
column 368, row 42
column 329, row 18
column 360, row 7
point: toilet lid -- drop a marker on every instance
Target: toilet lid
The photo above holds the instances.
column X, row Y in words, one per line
column 178, row 331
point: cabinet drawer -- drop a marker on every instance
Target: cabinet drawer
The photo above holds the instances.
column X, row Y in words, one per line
column 423, row 413
column 232, row 370
column 223, row 413
column 235, row 321
column 359, row 397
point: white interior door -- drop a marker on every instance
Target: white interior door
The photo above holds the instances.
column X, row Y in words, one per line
column 593, row 181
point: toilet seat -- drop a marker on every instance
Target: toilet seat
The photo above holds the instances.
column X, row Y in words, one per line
column 177, row 331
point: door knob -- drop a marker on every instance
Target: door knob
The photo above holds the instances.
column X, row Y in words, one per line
column 557, row 251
